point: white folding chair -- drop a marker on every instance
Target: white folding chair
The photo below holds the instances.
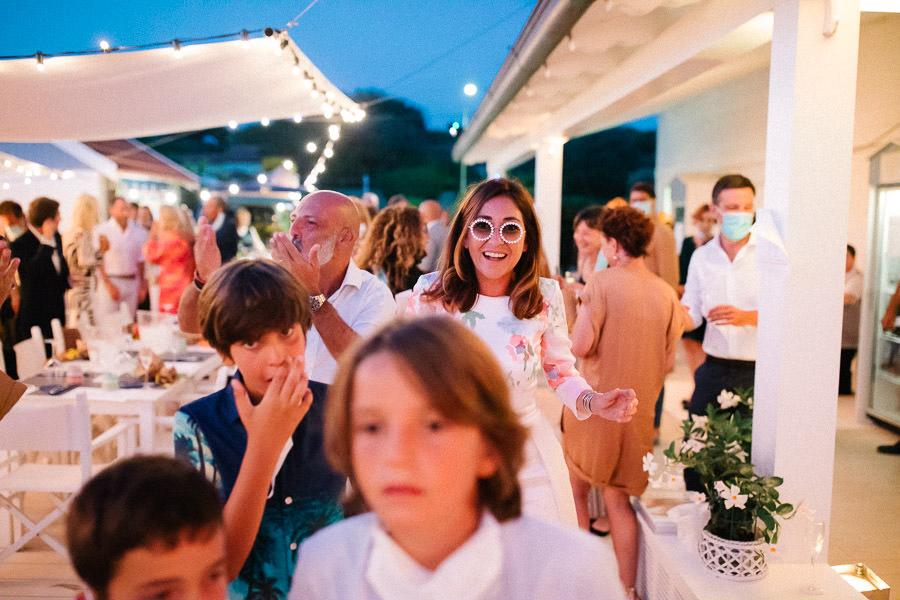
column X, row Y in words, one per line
column 31, row 427
column 30, row 354
column 59, row 337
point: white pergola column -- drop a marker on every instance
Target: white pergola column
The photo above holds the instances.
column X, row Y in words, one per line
column 812, row 90
column 548, row 162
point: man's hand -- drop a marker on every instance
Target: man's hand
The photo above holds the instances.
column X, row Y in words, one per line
column 306, row 270
column 104, row 244
column 725, row 314
column 285, row 403
column 206, row 253
column 8, row 266
column 616, row 405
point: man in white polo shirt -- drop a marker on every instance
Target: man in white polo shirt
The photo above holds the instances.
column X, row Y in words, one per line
column 122, row 275
column 723, row 286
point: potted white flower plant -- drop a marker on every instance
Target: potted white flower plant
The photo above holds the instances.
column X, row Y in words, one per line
column 744, row 507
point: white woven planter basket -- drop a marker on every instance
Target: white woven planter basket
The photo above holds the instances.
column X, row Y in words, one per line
column 738, row 561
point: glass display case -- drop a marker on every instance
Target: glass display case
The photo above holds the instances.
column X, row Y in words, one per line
column 884, row 397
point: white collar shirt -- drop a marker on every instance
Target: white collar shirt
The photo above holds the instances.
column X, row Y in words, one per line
column 364, row 303
column 713, row 280
column 125, row 247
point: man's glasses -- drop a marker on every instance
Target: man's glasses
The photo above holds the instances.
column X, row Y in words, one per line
column 510, row 232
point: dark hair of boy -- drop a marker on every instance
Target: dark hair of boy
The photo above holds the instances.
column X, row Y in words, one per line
column 136, row 503
column 244, row 299
column 40, row 210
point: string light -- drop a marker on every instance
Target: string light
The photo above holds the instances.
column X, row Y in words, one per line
column 327, row 110
column 311, row 147
column 232, row 124
column 334, row 132
column 205, row 195
column 262, row 178
column 234, row 189
column 245, row 37
column 104, row 45
column 571, row 43
column 176, row 47
column 264, row 122
column 328, row 152
column 40, row 61
column 288, row 164
column 298, row 118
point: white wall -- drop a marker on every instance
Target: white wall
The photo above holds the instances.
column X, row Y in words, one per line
column 63, row 190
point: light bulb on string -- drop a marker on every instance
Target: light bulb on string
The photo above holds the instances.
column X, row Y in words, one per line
column 234, row 189
column 328, row 152
column 54, row 176
column 334, row 132
column 262, row 178
column 40, row 61
column 104, row 45
column 298, row 118
column 5, row 186
column 232, row 124
column 205, row 195
column 296, row 68
column 264, row 122
column 176, row 48
column 571, row 43
column 288, row 164
column 7, row 163
column 245, row 37
column 327, row 110
column 314, row 94
column 329, row 95
column 20, row 169
column 28, row 181
column 311, row 147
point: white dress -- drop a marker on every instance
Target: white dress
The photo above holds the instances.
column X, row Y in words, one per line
column 520, row 558
column 528, row 350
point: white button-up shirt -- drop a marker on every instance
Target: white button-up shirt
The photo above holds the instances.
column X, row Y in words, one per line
column 364, row 303
column 714, row 280
column 124, row 252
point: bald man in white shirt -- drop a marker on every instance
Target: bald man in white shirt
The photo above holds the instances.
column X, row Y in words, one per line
column 723, row 286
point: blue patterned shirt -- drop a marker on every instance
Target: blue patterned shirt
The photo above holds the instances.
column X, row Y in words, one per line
column 209, row 435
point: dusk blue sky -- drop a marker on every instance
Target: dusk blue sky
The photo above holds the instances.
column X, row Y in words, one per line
column 421, row 50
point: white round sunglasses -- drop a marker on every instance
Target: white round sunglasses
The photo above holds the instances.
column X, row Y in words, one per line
column 510, row 232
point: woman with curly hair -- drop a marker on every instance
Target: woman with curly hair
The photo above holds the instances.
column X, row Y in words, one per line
column 627, row 328
column 489, row 279
column 395, row 243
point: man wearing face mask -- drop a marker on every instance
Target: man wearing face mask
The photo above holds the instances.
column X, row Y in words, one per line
column 723, row 286
column 661, row 258
column 12, row 220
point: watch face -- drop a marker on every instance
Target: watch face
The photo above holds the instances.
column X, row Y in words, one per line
column 316, row 302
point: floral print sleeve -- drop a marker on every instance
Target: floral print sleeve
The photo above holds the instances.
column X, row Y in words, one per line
column 191, row 447
column 417, row 305
column 557, row 359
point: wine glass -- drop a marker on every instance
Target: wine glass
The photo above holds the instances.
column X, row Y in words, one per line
column 146, row 357
column 815, row 541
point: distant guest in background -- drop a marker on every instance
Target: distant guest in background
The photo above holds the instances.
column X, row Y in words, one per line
column 134, row 210
column 661, row 257
column 432, row 215
column 853, row 287
column 123, row 265
column 224, row 226
column 395, row 243
column 397, row 199
column 43, row 272
column 145, row 217
column 168, row 248
column 84, row 258
column 12, row 220
column 704, row 221
column 249, row 243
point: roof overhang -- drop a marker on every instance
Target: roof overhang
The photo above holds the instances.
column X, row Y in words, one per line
column 622, row 60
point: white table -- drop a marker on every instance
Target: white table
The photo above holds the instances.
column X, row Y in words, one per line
column 668, row 569
column 137, row 402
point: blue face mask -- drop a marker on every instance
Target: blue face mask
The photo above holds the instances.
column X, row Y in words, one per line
column 736, row 225
column 601, row 263
column 645, row 206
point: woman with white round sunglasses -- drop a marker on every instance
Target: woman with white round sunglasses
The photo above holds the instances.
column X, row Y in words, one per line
column 488, row 279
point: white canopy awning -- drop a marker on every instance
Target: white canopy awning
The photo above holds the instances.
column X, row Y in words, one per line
column 151, row 92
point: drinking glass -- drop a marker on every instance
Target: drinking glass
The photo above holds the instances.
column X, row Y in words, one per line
column 815, row 542
column 145, row 355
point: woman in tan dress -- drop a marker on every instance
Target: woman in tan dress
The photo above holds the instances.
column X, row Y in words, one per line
column 627, row 327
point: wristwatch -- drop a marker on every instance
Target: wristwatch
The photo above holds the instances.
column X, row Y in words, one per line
column 316, row 302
